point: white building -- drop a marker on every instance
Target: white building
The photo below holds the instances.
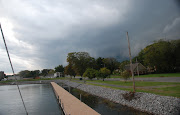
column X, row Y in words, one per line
column 58, row 74
column 11, row 77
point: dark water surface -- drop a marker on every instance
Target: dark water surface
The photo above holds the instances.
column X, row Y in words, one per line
column 39, row 100
column 104, row 106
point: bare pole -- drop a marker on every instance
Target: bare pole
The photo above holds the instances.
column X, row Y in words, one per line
column 134, row 90
column 137, row 67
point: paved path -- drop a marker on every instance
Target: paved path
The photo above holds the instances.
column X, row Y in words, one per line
column 70, row 104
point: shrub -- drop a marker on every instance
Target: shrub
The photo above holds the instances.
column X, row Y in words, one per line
column 90, row 73
column 104, row 72
column 125, row 75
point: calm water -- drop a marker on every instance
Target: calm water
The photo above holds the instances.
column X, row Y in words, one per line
column 103, row 106
column 39, row 100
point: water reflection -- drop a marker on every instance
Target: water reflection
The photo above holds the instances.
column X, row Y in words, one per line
column 103, row 106
column 39, row 100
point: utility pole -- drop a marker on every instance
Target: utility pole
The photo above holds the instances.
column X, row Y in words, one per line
column 137, row 67
column 132, row 72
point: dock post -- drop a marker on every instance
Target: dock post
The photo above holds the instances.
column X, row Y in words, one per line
column 69, row 89
column 80, row 97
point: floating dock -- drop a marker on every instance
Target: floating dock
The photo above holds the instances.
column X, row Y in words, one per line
column 70, row 104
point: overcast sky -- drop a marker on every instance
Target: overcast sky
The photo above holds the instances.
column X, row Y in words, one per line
column 40, row 33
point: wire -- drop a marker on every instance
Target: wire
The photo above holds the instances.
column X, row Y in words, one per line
column 13, row 70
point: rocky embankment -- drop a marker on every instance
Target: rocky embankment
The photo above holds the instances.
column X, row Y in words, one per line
column 147, row 102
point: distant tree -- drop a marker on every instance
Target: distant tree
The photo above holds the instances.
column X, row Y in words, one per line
column 100, row 64
column 126, row 75
column 90, row 73
column 162, row 55
column 104, row 72
column 59, row 68
column 24, row 73
column 111, row 64
column 80, row 61
column 36, row 73
column 69, row 70
column 44, row 72
column 51, row 72
column 99, row 75
column 122, row 65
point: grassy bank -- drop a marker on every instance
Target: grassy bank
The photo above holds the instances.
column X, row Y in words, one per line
column 160, row 88
column 153, row 75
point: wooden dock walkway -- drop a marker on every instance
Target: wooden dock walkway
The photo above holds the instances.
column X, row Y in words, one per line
column 70, row 104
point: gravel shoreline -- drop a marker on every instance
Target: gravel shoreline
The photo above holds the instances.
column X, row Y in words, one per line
column 147, row 102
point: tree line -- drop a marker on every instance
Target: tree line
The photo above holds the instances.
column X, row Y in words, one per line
column 79, row 63
column 161, row 56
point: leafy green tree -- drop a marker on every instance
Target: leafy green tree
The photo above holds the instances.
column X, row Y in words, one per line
column 29, row 74
column 24, row 73
column 104, row 72
column 44, row 72
column 59, row 68
column 90, row 73
column 111, row 64
column 51, row 72
column 99, row 75
column 99, row 63
column 122, row 65
column 69, row 70
column 126, row 75
column 159, row 55
column 80, row 61
column 162, row 55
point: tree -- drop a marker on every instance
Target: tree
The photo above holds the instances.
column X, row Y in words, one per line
column 162, row 55
column 44, row 72
column 104, row 72
column 111, row 64
column 126, row 75
column 69, row 70
column 99, row 63
column 90, row 73
column 80, row 61
column 51, row 72
column 24, row 73
column 59, row 68
column 122, row 65
column 159, row 55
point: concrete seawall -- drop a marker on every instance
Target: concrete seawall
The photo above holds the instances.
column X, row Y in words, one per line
column 70, row 104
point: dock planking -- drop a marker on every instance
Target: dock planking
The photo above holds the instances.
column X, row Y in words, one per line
column 70, row 104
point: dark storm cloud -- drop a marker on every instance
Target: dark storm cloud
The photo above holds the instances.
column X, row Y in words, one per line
column 43, row 32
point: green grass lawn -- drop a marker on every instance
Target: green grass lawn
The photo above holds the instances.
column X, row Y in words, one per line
column 163, row 88
column 153, row 75
column 138, row 83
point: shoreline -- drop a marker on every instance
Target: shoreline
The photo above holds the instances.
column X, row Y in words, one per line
column 145, row 102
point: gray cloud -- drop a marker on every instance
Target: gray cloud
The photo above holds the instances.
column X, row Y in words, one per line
column 41, row 33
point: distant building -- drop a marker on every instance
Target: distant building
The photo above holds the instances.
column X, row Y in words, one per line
column 1, row 75
column 58, row 74
column 137, row 67
column 49, row 76
column 11, row 77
